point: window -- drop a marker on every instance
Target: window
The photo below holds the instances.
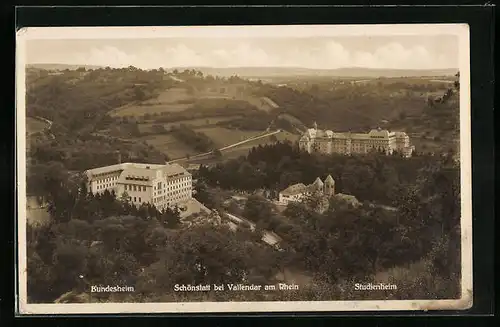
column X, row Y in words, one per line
column 135, row 188
column 134, row 198
column 140, row 200
column 144, row 188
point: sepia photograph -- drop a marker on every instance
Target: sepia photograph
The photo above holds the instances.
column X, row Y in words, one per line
column 243, row 168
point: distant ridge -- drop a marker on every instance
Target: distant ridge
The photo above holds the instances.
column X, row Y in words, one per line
column 263, row 72
column 61, row 66
column 340, row 72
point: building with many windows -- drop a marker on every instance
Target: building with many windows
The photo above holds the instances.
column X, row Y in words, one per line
column 326, row 141
column 161, row 185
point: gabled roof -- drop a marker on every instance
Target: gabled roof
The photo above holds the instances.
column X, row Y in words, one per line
column 174, row 170
column 329, row 180
column 318, row 183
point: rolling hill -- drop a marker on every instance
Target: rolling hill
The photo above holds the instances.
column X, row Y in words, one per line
column 263, row 72
column 49, row 66
column 357, row 72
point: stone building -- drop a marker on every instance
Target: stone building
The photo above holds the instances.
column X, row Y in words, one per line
column 161, row 185
column 326, row 141
column 297, row 192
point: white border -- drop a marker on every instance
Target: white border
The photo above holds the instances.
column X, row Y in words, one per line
column 460, row 30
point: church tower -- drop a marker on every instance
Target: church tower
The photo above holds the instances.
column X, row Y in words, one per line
column 318, row 185
column 329, row 186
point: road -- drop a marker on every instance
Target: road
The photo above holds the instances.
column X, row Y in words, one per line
column 229, row 146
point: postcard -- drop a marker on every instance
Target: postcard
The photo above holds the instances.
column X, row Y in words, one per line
column 223, row 169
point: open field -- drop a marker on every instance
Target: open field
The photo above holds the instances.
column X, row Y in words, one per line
column 261, row 103
column 173, row 95
column 243, row 149
column 197, row 122
column 223, row 136
column 180, row 99
column 34, row 125
column 171, row 100
column 140, row 110
column 169, row 145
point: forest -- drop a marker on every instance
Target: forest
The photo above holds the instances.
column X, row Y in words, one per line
column 416, row 243
column 107, row 241
column 373, row 177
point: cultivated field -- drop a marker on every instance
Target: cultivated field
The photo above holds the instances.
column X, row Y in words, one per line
column 223, row 136
column 198, row 122
column 243, row 149
column 171, row 100
column 169, row 145
column 179, row 99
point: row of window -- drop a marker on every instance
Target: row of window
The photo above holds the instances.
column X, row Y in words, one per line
column 184, row 189
column 180, row 181
column 135, row 188
column 108, row 179
column 173, row 199
column 105, row 186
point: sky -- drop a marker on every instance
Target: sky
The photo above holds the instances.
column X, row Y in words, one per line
column 389, row 52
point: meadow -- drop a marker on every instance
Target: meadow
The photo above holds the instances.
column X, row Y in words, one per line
column 197, row 122
column 223, row 136
column 178, row 99
column 169, row 145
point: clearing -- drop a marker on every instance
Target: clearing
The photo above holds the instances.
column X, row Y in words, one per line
column 171, row 100
column 180, row 99
column 223, row 136
column 197, row 122
column 169, row 145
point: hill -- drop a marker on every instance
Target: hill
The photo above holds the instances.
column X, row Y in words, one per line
column 263, row 72
column 50, row 66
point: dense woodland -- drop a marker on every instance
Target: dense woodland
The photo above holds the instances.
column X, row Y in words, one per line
column 109, row 242
column 416, row 244
column 101, row 240
column 374, row 177
column 391, row 103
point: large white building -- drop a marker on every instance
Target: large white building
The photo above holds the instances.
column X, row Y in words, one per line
column 297, row 192
column 326, row 141
column 161, row 185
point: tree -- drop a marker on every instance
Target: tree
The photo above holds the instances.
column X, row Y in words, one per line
column 257, row 208
column 170, row 217
column 139, row 94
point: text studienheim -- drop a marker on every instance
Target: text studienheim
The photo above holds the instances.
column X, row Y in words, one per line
column 374, row 287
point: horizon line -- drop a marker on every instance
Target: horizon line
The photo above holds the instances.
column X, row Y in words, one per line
column 244, row 67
